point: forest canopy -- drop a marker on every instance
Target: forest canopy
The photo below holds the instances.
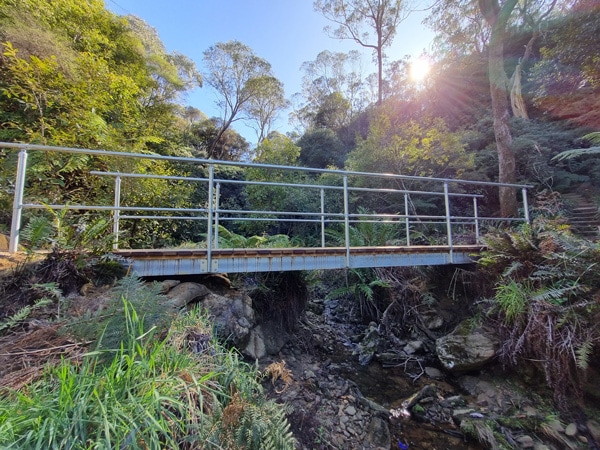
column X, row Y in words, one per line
column 498, row 104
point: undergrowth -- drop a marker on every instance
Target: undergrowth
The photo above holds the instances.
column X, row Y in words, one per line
column 546, row 302
column 147, row 393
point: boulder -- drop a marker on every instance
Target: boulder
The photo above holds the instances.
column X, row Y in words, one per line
column 182, row 294
column 232, row 315
column 467, row 349
column 378, row 435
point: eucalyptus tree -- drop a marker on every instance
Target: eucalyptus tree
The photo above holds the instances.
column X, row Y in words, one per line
column 485, row 26
column 243, row 83
column 332, row 89
column 370, row 23
column 263, row 109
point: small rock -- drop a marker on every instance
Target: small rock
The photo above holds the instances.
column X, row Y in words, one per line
column 350, row 410
column 378, row 435
column 459, row 413
column 571, row 429
column 434, row 373
column 167, row 285
column 530, row 411
column 453, row 401
column 557, row 426
column 482, row 400
column 309, row 374
column 525, row 441
column 540, row 446
column 413, row 347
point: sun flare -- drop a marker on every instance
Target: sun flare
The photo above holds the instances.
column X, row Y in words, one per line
column 419, row 69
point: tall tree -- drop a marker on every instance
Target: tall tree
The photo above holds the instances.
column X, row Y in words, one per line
column 358, row 20
column 331, row 76
column 497, row 16
column 238, row 76
column 262, row 109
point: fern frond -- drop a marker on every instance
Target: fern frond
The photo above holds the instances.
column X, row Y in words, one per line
column 574, row 153
column 37, row 231
column 583, row 354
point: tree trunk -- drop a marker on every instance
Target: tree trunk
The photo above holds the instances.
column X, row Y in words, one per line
column 497, row 17
column 519, row 109
column 517, row 103
column 501, row 113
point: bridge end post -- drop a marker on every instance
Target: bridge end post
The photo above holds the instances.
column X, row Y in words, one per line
column 15, row 227
column 117, row 212
column 346, row 221
column 525, row 205
column 448, row 220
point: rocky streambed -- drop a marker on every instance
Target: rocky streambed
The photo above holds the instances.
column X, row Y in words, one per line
column 349, row 387
column 341, row 404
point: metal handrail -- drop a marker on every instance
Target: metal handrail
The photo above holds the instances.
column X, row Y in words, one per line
column 213, row 213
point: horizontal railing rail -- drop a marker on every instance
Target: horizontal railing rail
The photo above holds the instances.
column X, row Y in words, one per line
column 214, row 213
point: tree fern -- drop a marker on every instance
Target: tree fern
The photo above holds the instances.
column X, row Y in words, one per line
column 593, row 138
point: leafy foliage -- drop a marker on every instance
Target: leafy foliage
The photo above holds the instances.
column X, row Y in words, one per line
column 546, row 304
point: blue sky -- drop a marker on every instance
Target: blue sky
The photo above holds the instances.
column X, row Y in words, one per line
column 286, row 33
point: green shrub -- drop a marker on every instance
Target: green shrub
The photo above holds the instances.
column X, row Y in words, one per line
column 546, row 301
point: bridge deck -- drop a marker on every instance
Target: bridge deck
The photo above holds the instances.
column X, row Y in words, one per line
column 167, row 262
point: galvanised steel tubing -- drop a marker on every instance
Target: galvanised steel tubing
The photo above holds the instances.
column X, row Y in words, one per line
column 406, row 211
column 164, row 217
column 209, row 219
column 525, row 205
column 322, row 217
column 273, row 183
column 403, row 191
column 116, row 212
column 346, row 221
column 217, row 201
column 211, row 164
column 448, row 217
column 143, row 175
column 475, row 214
column 15, row 226
column 108, row 208
column 244, row 164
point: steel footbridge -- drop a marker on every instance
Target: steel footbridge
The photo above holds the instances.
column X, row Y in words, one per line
column 427, row 221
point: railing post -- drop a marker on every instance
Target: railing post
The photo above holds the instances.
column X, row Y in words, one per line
column 346, row 221
column 209, row 229
column 476, row 217
column 323, row 217
column 448, row 221
column 525, row 205
column 406, row 219
column 15, row 226
column 117, row 212
column 217, row 206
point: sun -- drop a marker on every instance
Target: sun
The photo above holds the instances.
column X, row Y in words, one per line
column 419, row 69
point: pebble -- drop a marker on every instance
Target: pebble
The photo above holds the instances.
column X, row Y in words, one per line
column 525, row 441
column 434, row 373
column 571, row 429
column 350, row 410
